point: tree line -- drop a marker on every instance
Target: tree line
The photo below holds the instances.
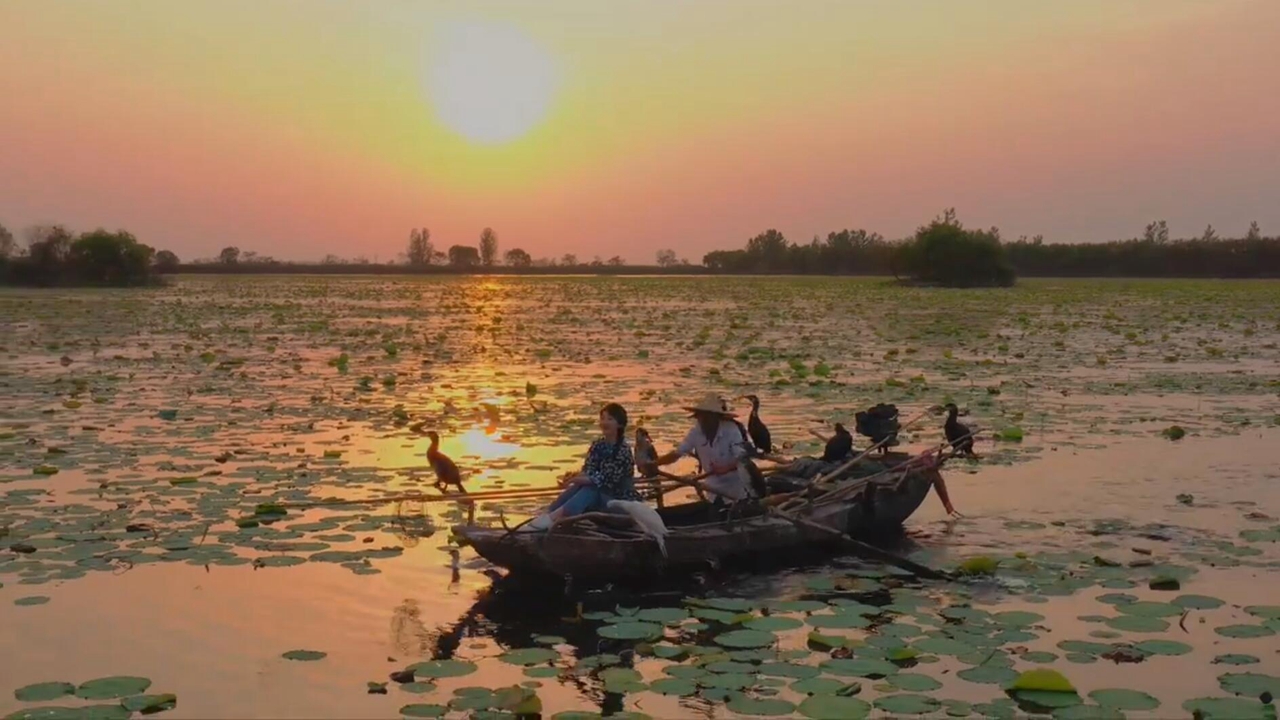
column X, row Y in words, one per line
column 55, row 256
column 945, row 252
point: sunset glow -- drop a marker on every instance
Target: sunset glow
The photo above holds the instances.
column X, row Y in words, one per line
column 299, row 129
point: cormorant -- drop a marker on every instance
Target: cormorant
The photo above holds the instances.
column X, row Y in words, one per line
column 838, row 446
column 446, row 471
column 750, row 474
column 646, row 454
column 958, row 434
column 756, row 428
column 880, row 424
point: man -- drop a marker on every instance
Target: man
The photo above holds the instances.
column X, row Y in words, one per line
column 717, row 442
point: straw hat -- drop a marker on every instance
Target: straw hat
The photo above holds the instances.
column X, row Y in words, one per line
column 711, row 403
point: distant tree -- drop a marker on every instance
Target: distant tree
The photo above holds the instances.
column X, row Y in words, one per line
column 944, row 253
column 666, row 258
column 249, row 257
column 438, row 257
column 420, row 251
column 1209, row 234
column 229, row 255
column 1255, row 232
column 48, row 246
column 7, row 244
column 332, row 259
column 110, row 258
column 488, row 247
column 360, row 260
column 166, row 261
column 516, row 257
column 597, row 262
column 569, row 259
column 464, row 256
column 617, row 261
column 1156, row 232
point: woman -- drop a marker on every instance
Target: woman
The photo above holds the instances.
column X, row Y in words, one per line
column 606, row 475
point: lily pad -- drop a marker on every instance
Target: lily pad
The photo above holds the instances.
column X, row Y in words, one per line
column 437, row 669
column 767, row 707
column 1163, row 647
column 305, row 655
column 31, row 600
column 528, row 656
column 630, row 631
column 1249, row 684
column 1044, row 680
column 662, row 615
column 859, row 667
column 773, row 624
column 1017, row 618
column 907, row 704
column 1229, row 709
column 679, row 687
column 1244, row 631
column 150, row 704
column 420, row 710
column 834, row 707
column 1197, row 602
column 1147, row 608
column 988, row 675
column 913, row 682
column 41, row 692
column 1138, row 623
column 1235, row 659
column 746, row 639
column 1266, row 612
column 108, row 688
column 1122, row 699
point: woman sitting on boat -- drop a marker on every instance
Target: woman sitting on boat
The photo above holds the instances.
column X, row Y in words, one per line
column 606, row 475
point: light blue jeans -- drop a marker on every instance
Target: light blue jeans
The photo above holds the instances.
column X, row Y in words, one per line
column 579, row 499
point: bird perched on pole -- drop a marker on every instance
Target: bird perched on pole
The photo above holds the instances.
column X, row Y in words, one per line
column 446, row 470
column 839, row 445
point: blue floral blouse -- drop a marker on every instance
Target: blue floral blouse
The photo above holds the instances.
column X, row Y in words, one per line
column 609, row 466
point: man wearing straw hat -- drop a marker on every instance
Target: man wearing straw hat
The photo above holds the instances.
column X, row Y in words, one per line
column 717, row 441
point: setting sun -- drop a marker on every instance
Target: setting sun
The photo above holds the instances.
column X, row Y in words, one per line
column 489, row 82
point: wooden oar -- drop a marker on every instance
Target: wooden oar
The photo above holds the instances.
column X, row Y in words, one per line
column 857, row 547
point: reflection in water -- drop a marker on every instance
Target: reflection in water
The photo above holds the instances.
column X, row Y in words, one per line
column 409, row 635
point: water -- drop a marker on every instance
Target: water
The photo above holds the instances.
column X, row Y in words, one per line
column 511, row 372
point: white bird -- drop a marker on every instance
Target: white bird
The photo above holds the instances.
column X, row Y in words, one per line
column 647, row 518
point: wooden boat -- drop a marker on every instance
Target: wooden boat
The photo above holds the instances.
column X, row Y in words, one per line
column 604, row 546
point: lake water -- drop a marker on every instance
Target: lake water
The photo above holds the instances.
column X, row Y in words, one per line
column 141, row 434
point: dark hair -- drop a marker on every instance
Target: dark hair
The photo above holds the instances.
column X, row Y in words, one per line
column 619, row 414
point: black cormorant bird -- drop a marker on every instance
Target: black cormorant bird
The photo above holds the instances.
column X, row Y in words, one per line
column 880, row 424
column 958, row 434
column 646, row 454
column 750, row 474
column 838, row 446
column 446, row 470
column 756, row 429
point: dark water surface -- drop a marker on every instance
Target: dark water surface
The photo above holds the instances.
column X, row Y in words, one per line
column 142, row 435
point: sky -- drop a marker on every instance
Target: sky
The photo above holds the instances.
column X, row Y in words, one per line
column 300, row 128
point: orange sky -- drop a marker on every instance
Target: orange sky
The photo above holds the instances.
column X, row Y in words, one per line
column 299, row 128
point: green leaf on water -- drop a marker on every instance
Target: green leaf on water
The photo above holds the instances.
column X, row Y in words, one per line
column 907, row 704
column 1138, row 623
column 859, row 667
column 1249, row 684
column 108, row 688
column 437, row 669
column 422, row 688
column 1244, row 631
column 420, row 710
column 980, row 565
column 834, row 707
column 1147, row 608
column 746, row 639
column 913, row 682
column 49, row 712
column 1122, row 699
column 1229, row 709
column 773, row 623
column 305, row 655
column 766, row 707
column 40, row 692
column 1043, row 680
column 1267, row 612
column 1197, row 602
column 1235, row 659
column 630, row 631
column 1163, row 647
column 1174, row 432
column 988, row 675
column 45, row 470
column 528, row 656
column 662, row 615
column 150, row 704
column 679, row 687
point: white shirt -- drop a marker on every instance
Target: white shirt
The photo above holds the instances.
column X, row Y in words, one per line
column 722, row 450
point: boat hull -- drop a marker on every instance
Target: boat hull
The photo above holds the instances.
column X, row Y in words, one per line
column 879, row 510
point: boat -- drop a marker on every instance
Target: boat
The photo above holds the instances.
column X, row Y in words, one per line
column 874, row 502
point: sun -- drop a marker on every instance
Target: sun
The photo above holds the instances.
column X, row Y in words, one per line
column 489, row 82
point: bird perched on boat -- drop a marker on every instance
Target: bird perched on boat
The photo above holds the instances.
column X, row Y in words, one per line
column 756, row 429
column 839, row 446
column 646, row 454
column 880, row 423
column 446, row 470
column 958, row 434
column 648, row 519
